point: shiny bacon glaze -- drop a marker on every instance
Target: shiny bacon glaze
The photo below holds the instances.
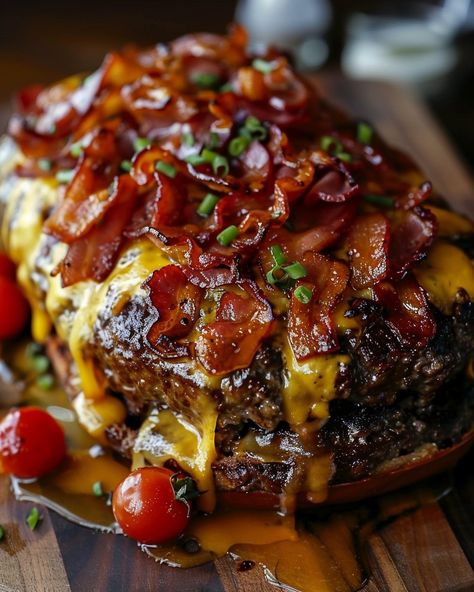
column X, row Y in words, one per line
column 137, row 283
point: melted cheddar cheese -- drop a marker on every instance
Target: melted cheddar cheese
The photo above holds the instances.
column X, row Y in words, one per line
column 166, row 435
column 443, row 272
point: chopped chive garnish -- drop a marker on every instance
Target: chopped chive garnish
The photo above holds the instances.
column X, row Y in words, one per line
column 196, row 159
column 364, row 132
column 295, row 271
column 303, row 294
column 213, row 141
column 238, row 145
column 39, row 363
column 45, row 382
column 328, row 143
column 140, row 143
column 44, row 164
column 246, row 133
column 263, row 66
column 76, row 150
column 188, row 139
column 126, row 165
column 97, row 489
column 2, row 533
column 65, row 176
column 277, row 276
column 33, row 518
column 255, row 127
column 206, row 80
column 219, row 163
column 166, row 168
column 220, row 166
column 208, row 204
column 33, row 349
column 227, row 235
column 344, row 156
column 380, row 200
column 277, row 254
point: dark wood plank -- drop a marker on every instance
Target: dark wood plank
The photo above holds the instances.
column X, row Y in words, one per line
column 29, row 561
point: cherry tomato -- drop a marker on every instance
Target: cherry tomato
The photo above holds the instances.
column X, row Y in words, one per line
column 14, row 309
column 146, row 507
column 31, row 443
column 7, row 267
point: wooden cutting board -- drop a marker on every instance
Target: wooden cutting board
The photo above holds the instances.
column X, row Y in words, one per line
column 429, row 550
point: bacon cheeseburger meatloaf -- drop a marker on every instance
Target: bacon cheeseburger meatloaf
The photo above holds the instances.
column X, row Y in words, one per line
column 234, row 277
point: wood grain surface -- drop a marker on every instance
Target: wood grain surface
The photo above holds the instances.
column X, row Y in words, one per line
column 428, row 550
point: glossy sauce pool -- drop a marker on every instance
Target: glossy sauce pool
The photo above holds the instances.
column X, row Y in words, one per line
column 318, row 551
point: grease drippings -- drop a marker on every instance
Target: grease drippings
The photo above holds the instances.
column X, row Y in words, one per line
column 321, row 550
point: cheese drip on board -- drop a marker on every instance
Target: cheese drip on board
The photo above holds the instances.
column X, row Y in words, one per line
column 167, row 436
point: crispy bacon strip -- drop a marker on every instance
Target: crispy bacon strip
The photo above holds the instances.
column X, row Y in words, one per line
column 413, row 232
column 311, row 329
column 368, row 243
column 409, row 314
column 177, row 303
column 243, row 320
column 93, row 255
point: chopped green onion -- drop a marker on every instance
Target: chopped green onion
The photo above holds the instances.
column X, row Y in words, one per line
column 255, row 127
column 208, row 204
column 380, row 200
column 303, row 294
column 344, row 156
column 219, row 163
column 40, row 363
column 220, row 166
column 97, row 489
column 44, row 164
column 126, row 165
column 45, row 382
column 246, row 133
column 238, row 145
column 140, row 143
column 205, row 80
column 277, row 254
column 196, row 159
column 263, row 66
column 188, row 139
column 33, row 518
column 274, row 279
column 295, row 271
column 33, row 349
column 227, row 235
column 364, row 132
column 166, row 168
column 328, row 143
column 213, row 141
column 227, row 87
column 76, row 150
column 65, row 176
column 2, row 533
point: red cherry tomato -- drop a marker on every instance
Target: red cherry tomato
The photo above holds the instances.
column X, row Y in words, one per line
column 31, row 443
column 7, row 267
column 14, row 309
column 146, row 508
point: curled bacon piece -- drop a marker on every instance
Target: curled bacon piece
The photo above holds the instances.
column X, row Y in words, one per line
column 243, row 320
column 368, row 242
column 311, row 329
column 408, row 314
column 413, row 232
column 88, row 195
column 93, row 255
column 177, row 302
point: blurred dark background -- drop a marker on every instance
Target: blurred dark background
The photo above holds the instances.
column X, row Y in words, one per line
column 427, row 45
